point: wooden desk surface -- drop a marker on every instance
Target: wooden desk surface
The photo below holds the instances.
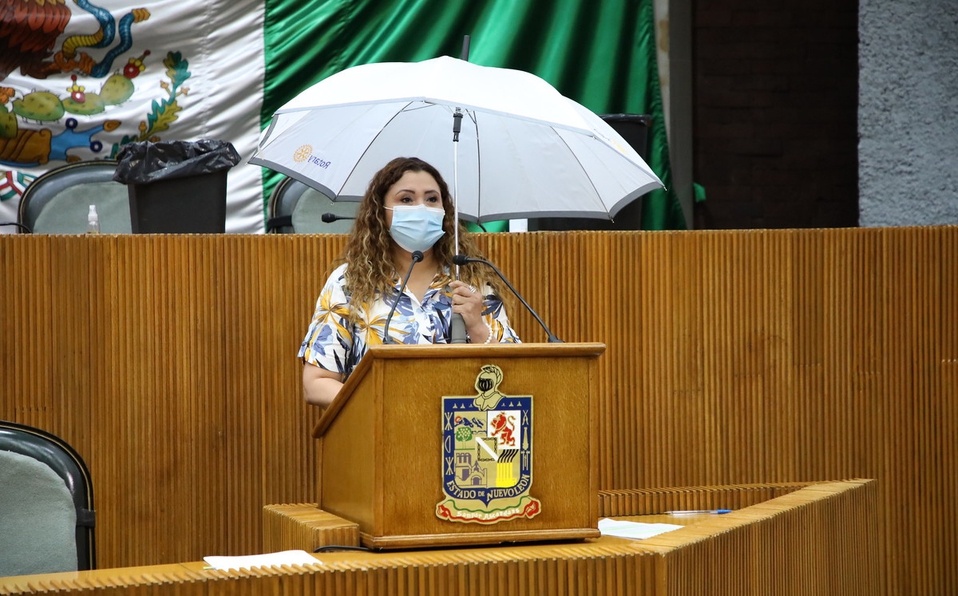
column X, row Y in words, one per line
column 817, row 540
column 340, row 560
column 327, row 562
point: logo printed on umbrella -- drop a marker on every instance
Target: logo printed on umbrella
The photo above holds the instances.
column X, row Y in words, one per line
column 305, row 153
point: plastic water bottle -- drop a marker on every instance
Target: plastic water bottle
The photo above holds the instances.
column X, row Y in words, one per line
column 92, row 221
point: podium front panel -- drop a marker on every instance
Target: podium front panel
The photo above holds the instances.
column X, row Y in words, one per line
column 401, row 397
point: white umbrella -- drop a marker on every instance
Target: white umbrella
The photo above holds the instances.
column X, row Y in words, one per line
column 524, row 150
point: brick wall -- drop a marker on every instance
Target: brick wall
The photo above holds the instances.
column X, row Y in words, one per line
column 775, row 96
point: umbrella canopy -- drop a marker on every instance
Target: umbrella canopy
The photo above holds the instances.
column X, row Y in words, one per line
column 524, row 150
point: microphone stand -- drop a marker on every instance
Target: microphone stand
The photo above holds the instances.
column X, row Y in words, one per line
column 463, row 259
column 417, row 256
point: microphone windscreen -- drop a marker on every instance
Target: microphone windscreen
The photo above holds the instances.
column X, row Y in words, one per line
column 417, row 256
column 460, row 259
column 329, row 217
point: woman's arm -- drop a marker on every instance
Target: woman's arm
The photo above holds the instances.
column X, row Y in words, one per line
column 320, row 386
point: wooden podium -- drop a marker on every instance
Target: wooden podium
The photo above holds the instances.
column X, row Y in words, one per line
column 382, row 442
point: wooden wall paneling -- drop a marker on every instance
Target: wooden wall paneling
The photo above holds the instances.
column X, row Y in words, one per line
column 112, row 403
column 634, row 450
column 903, row 471
column 244, row 416
column 283, row 408
column 613, row 278
column 192, row 300
column 897, row 398
column 851, row 348
column 717, row 337
column 777, row 277
column 204, row 365
column 247, row 412
column 928, row 403
column 694, row 410
column 836, row 283
column 712, row 359
column 11, row 262
column 640, row 431
column 948, row 297
column 27, row 316
column 165, row 402
column 751, row 371
column 822, row 354
column 68, row 349
column 38, row 311
column 525, row 271
column 127, row 522
column 522, row 269
column 722, row 296
column 211, row 402
column 556, row 257
column 107, row 381
column 870, row 391
column 807, row 302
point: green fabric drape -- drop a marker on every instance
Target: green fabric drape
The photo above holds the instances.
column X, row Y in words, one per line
column 601, row 54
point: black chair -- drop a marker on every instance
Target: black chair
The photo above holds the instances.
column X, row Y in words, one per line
column 46, row 504
column 58, row 201
column 296, row 208
column 634, row 128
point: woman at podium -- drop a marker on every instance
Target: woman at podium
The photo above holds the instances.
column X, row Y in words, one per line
column 396, row 282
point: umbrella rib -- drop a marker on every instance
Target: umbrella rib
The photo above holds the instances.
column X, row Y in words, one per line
column 589, row 178
column 595, row 191
column 446, row 103
column 372, row 141
column 475, row 124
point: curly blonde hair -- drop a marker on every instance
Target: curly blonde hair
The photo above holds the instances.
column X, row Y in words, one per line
column 370, row 270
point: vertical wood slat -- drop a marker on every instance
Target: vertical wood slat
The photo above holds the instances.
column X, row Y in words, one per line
column 733, row 357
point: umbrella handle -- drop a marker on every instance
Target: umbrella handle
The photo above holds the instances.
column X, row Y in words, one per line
column 457, row 329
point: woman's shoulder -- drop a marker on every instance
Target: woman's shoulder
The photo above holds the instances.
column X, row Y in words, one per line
column 337, row 276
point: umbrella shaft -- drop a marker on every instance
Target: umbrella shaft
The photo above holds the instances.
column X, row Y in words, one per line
column 456, row 126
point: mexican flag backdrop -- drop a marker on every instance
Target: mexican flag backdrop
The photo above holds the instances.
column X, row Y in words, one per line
column 81, row 78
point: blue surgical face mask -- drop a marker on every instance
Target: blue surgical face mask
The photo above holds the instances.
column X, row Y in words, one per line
column 416, row 227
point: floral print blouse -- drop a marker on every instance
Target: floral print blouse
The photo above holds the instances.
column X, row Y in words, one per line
column 334, row 344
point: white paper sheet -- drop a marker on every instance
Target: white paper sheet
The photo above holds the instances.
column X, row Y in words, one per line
column 287, row 557
column 636, row 530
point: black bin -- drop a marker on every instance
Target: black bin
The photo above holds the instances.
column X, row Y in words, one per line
column 176, row 187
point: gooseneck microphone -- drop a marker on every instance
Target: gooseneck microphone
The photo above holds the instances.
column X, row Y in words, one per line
column 417, row 256
column 331, row 217
column 463, row 259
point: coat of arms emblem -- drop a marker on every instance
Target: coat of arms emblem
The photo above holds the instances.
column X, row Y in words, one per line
column 487, row 454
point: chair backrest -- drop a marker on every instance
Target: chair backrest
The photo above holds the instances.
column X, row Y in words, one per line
column 46, row 504
column 296, row 208
column 58, row 201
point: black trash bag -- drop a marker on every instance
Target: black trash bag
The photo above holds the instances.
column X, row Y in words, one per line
column 146, row 162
